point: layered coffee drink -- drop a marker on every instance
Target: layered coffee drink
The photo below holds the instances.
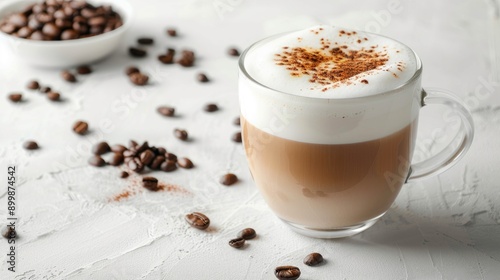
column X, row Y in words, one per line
column 329, row 119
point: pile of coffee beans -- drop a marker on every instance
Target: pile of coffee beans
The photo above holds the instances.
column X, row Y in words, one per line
column 53, row 20
column 137, row 157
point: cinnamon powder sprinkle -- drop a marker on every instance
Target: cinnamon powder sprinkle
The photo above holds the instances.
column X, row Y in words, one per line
column 329, row 66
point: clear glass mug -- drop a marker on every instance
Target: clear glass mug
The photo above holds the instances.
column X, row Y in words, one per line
column 340, row 188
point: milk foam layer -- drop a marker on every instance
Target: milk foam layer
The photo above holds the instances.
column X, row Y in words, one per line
column 284, row 63
column 268, row 105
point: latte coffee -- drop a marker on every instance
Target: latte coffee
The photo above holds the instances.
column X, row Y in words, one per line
column 329, row 117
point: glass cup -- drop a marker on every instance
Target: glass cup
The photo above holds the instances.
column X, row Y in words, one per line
column 337, row 189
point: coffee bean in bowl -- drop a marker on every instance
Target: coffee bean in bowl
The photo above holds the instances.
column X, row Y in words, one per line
column 51, row 35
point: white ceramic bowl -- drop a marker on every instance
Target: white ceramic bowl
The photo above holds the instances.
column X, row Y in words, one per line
column 61, row 54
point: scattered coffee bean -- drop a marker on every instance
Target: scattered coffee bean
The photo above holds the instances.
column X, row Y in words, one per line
column 132, row 144
column 228, row 179
column 45, row 89
column 233, row 52
column 15, row 97
column 313, row 259
column 80, row 127
column 67, row 76
column 237, row 137
column 138, row 79
column 145, row 41
column 30, row 145
column 185, row 163
column 124, row 174
column 211, row 107
column 181, row 134
column 166, row 58
column 141, row 148
column 132, row 69
column 170, row 156
column 157, row 162
column 172, row 32
column 53, row 96
column 135, row 165
column 161, row 151
column 150, row 183
column 248, row 233
column 136, row 52
column 147, row 157
column 118, row 148
column 116, row 160
column 187, row 58
column 201, row 77
column 166, row 111
column 100, row 148
column 33, row 85
column 9, row 233
column 84, row 70
column 237, row 242
column 168, row 166
column 97, row 161
column 198, row 220
column 237, row 121
column 287, row 272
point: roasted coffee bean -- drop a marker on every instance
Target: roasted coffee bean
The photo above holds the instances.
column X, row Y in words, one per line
column 81, row 27
column 45, row 89
column 172, row 32
column 64, row 24
column 168, row 166
column 138, row 79
column 15, row 97
column 30, row 145
column 124, row 174
column 8, row 28
column 53, row 96
column 161, row 151
column 198, row 220
column 135, row 165
column 60, row 14
column 237, row 121
column 181, row 134
column 247, row 233
column 287, row 272
column 33, row 85
column 101, row 148
column 132, row 144
column 228, row 179
column 99, row 20
column 202, row 78
column 96, row 29
column 233, row 52
column 136, row 52
column 9, row 232
column 150, row 183
column 117, row 159
column 187, row 58
column 166, row 58
column 34, row 24
column 69, row 34
column 80, row 127
column 130, row 153
column 237, row 137
column 157, row 162
column 237, row 242
column 97, row 161
column 51, row 30
column 145, row 41
column 118, row 148
column 147, row 157
column 18, row 20
column 141, row 148
column 211, row 107
column 166, row 111
column 84, row 70
column 132, row 69
column 185, row 163
column 313, row 259
column 67, row 76
column 44, row 18
column 37, row 35
column 24, row 32
column 170, row 156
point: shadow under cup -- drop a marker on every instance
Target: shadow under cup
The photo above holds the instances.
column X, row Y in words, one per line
column 328, row 167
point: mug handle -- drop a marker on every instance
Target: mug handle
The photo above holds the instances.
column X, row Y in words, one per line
column 449, row 155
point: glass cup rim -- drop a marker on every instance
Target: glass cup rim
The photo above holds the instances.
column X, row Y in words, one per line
column 241, row 66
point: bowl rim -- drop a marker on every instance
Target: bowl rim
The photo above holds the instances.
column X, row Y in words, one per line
column 125, row 9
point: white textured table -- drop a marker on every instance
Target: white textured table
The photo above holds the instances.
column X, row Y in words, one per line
column 447, row 227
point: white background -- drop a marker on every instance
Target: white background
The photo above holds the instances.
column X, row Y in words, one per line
column 445, row 227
